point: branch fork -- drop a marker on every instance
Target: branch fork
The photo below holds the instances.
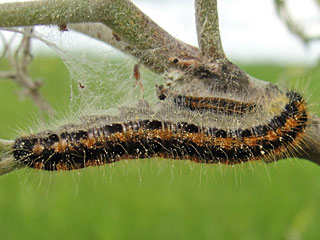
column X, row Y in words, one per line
column 121, row 24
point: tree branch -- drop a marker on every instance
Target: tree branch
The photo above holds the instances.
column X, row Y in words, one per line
column 7, row 74
column 49, row 12
column 135, row 33
column 311, row 148
column 154, row 44
column 6, row 162
column 208, row 29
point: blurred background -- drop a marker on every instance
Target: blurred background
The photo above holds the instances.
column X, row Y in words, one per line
column 156, row 198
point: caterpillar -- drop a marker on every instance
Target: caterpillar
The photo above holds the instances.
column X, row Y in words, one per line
column 99, row 140
column 216, row 105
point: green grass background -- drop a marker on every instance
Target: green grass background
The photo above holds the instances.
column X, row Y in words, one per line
column 155, row 199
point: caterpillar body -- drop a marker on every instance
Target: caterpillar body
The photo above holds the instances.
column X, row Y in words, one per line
column 99, row 141
column 217, row 105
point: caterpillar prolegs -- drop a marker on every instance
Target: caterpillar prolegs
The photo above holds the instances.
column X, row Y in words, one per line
column 100, row 142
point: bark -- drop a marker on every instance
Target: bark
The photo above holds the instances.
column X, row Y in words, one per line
column 208, row 32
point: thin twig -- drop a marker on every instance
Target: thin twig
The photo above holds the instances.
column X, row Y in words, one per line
column 19, row 61
column 8, row 74
column 6, row 44
column 208, row 32
column 292, row 25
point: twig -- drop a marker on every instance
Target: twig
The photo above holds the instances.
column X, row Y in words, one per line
column 157, row 49
column 19, row 62
column 7, row 164
column 6, row 45
column 293, row 26
column 208, row 32
column 7, row 74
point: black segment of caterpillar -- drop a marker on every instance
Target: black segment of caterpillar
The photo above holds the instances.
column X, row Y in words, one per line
column 80, row 147
column 213, row 104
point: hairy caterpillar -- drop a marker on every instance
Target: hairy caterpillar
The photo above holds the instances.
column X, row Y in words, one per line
column 100, row 140
column 217, row 105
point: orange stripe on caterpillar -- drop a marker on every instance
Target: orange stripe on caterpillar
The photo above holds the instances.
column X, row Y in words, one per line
column 213, row 104
column 91, row 146
column 222, row 105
